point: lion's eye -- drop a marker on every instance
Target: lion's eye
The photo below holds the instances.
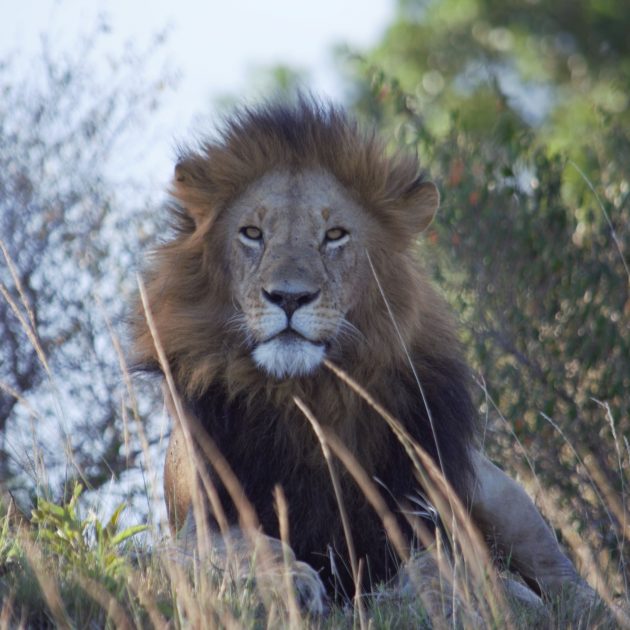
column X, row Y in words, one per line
column 335, row 234
column 251, row 233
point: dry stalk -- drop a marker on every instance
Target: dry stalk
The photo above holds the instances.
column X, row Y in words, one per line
column 342, row 508
column 580, row 461
column 283, row 520
column 18, row 284
column 46, row 581
column 106, row 601
column 124, row 370
column 454, row 515
column 176, row 573
column 190, row 427
column 180, row 419
column 15, row 394
column 370, row 491
column 563, row 520
column 28, row 329
column 613, row 232
column 146, row 600
column 610, row 495
column 6, row 614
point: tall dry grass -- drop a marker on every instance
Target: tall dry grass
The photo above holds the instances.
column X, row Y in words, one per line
column 239, row 578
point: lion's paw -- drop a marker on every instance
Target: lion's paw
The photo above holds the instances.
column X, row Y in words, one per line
column 309, row 589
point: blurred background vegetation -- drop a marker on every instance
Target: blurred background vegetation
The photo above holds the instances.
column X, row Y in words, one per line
column 73, row 221
column 519, row 110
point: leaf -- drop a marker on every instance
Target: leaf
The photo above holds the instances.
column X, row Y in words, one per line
column 128, row 533
column 46, row 508
column 112, row 524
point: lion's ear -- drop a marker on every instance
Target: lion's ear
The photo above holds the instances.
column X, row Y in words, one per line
column 422, row 201
column 192, row 188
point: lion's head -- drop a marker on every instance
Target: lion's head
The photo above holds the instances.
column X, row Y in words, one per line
column 295, row 242
column 298, row 264
column 285, row 226
column 299, row 267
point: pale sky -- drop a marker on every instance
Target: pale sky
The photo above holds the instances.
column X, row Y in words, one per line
column 214, row 45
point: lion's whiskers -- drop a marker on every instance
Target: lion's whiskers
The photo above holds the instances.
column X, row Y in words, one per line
column 349, row 332
column 237, row 325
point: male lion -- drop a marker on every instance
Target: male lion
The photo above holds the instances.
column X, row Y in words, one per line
column 295, row 238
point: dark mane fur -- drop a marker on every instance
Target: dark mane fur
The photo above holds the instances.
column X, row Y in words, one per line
column 247, row 437
column 250, row 416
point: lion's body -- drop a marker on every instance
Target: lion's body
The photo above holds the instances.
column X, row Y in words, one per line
column 266, row 446
column 318, row 172
column 295, row 241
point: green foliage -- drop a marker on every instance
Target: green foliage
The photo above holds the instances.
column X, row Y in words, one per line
column 59, row 551
column 83, row 542
column 10, row 551
column 63, row 570
column 520, row 111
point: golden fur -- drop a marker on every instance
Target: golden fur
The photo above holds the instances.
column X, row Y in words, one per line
column 191, row 291
column 190, row 287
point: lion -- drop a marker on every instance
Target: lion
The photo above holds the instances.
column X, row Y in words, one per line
column 294, row 246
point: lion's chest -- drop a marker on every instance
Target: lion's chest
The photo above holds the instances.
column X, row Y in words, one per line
column 265, row 453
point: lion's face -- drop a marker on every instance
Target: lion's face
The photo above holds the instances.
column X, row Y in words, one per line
column 268, row 270
column 298, row 262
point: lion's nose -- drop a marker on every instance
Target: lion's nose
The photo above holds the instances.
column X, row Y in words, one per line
column 290, row 301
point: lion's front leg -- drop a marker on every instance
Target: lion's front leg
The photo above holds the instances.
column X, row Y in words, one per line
column 505, row 514
column 253, row 558
column 240, row 556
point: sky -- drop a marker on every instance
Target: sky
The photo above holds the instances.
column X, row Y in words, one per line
column 215, row 47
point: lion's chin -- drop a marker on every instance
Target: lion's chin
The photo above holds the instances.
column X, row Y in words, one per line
column 288, row 356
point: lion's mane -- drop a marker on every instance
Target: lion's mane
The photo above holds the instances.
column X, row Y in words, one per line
column 249, row 415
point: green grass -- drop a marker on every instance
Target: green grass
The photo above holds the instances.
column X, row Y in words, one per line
column 63, row 569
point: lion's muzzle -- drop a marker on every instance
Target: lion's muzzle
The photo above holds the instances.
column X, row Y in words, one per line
column 290, row 300
column 289, row 355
